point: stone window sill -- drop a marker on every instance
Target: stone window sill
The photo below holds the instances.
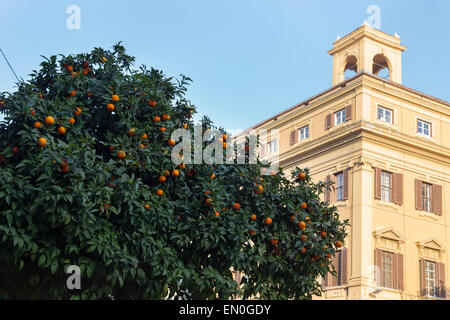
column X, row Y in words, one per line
column 387, row 204
column 430, row 215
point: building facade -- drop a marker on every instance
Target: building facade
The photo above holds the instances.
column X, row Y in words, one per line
column 387, row 148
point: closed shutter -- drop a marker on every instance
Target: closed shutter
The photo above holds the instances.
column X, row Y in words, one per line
column 440, row 280
column 418, row 192
column 327, row 192
column 328, row 122
column 335, row 280
column 348, row 113
column 398, row 188
column 399, row 284
column 345, row 189
column 378, row 183
column 344, row 267
column 292, row 138
column 437, row 199
column 422, row 276
column 378, row 270
column 263, row 149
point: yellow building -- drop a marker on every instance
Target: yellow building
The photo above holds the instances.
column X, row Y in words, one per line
column 387, row 147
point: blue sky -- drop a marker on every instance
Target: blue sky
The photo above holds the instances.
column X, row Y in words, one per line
column 249, row 59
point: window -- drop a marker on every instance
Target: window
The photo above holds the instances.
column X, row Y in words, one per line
column 303, row 133
column 424, row 128
column 339, row 186
column 385, row 114
column 387, row 269
column 386, row 186
column 430, row 278
column 426, row 197
column 339, row 117
column 272, row 146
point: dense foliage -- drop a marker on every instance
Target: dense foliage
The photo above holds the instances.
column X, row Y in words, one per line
column 88, row 180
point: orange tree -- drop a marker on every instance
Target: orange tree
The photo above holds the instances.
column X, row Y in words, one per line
column 88, row 180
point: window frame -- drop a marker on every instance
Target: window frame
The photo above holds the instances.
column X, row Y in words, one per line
column 272, row 146
column 422, row 128
column 386, row 190
column 391, row 113
column 300, row 133
column 430, row 290
column 339, row 188
column 427, row 199
column 342, row 118
column 384, row 270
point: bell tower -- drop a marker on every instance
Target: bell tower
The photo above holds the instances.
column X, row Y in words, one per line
column 367, row 50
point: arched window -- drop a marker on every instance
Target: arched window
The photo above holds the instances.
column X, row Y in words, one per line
column 381, row 66
column 351, row 67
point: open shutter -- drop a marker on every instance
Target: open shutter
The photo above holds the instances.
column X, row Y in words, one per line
column 440, row 280
column 328, row 122
column 422, row 276
column 437, row 199
column 398, row 188
column 344, row 265
column 292, row 138
column 399, row 284
column 348, row 113
column 378, row 183
column 345, row 189
column 328, row 192
column 378, row 270
column 333, row 191
column 418, row 192
column 335, row 280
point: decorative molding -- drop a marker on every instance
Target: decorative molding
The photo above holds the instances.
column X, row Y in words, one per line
column 388, row 233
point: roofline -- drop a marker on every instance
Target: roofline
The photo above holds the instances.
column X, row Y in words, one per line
column 343, row 84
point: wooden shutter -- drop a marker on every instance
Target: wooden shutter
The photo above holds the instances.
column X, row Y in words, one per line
column 398, row 188
column 263, row 149
column 292, row 138
column 377, row 263
column 398, row 277
column 345, row 189
column 333, row 190
column 336, row 280
column 440, row 280
column 328, row 122
column 422, row 276
column 348, row 113
column 378, row 183
column 327, row 192
column 437, row 199
column 418, row 192
column 344, row 267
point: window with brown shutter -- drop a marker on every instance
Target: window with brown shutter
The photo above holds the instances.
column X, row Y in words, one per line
column 422, row 277
column 418, row 194
column 292, row 137
column 440, row 280
column 389, row 272
column 328, row 192
column 345, row 191
column 399, row 283
column 344, row 266
column 378, row 270
column 348, row 113
column 398, row 188
column 378, row 183
column 340, row 266
column 437, row 199
column 328, row 122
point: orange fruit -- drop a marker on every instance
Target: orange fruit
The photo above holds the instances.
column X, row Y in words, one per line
column 259, row 189
column 147, row 206
column 85, row 72
column 302, row 225
column 301, row 175
column 304, row 205
column 152, row 103
column 252, row 232
column 308, row 220
column 323, row 234
column 175, row 173
column 65, row 169
column 32, row 111
column 42, row 142
column 115, row 97
column 121, row 154
column 268, row 221
column 208, row 201
column 16, row 150
column 37, row 125
column 144, row 136
column 292, row 218
column 329, row 256
column 111, row 148
column 171, row 142
column 69, row 68
column 49, row 120
column 159, row 192
column 77, row 111
column 206, row 192
column 338, row 244
column 110, row 107
column 73, row 93
column 185, row 126
column 224, row 145
column 217, row 213
column 181, row 166
column 162, row 179
column 156, row 119
column 89, row 94
column 303, row 237
column 303, row 250
column 253, row 217
column 71, row 120
column 131, row 132
column 162, row 130
column 224, row 136
column 236, row 206
column 2, row 103
column 166, row 172
column 61, row 130
column 274, row 242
